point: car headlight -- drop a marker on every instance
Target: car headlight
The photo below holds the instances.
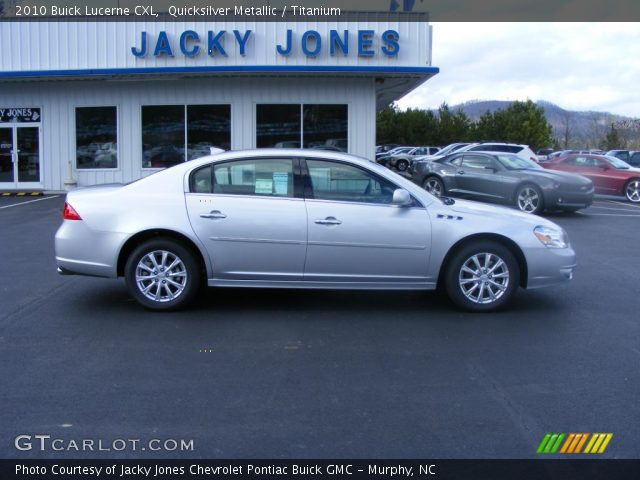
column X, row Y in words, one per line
column 551, row 237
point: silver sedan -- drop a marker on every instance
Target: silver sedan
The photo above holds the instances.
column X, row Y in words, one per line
column 302, row 219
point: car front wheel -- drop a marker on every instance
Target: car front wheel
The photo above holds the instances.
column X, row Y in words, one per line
column 529, row 199
column 162, row 274
column 482, row 277
column 402, row 165
column 434, row 186
column 632, row 190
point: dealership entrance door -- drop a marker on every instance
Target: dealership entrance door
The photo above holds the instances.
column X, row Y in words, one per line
column 20, row 157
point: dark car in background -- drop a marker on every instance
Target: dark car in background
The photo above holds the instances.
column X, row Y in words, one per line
column 504, row 178
column 610, row 175
column 634, row 159
column 621, row 154
column 402, row 159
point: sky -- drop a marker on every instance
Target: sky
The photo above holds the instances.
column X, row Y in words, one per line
column 578, row 66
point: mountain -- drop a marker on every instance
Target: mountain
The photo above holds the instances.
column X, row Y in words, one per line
column 581, row 129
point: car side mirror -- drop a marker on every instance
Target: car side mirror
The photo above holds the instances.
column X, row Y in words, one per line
column 401, row 198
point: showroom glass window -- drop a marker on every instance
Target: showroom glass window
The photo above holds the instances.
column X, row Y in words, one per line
column 271, row 177
column 173, row 133
column 344, row 183
column 309, row 126
column 96, row 137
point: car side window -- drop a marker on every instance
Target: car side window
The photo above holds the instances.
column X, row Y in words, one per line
column 476, row 161
column 583, row 162
column 272, row 177
column 456, row 161
column 345, row 183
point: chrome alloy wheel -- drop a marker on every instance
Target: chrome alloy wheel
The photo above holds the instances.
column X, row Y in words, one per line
column 633, row 191
column 528, row 200
column 434, row 187
column 161, row 276
column 483, row 278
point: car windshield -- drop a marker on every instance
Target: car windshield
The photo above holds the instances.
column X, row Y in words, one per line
column 513, row 162
column 617, row 163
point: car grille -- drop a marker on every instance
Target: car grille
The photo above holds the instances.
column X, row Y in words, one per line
column 576, row 188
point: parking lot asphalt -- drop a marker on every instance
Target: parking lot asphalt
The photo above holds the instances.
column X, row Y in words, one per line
column 324, row 374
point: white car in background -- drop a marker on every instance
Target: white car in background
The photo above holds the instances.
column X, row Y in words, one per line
column 522, row 151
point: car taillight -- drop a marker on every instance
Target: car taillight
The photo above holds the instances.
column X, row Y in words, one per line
column 70, row 213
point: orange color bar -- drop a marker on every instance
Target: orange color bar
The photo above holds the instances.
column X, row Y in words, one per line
column 567, row 443
column 581, row 443
column 575, row 442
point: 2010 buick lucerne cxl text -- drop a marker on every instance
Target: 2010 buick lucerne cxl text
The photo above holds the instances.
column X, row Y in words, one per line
column 302, row 219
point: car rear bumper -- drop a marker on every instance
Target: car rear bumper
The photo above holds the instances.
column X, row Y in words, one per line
column 550, row 266
column 81, row 251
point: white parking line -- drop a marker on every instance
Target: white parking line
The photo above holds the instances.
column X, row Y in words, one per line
column 30, row 201
column 630, row 205
column 614, row 208
column 637, row 215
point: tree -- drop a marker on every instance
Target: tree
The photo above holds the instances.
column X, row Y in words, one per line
column 452, row 127
column 567, row 127
column 612, row 140
column 524, row 122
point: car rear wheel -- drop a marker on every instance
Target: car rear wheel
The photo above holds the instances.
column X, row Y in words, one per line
column 434, row 186
column 402, row 165
column 483, row 276
column 529, row 199
column 162, row 274
column 632, row 190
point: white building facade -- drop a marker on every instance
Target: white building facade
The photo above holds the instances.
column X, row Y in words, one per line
column 114, row 101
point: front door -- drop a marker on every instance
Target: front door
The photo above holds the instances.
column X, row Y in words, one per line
column 20, row 157
column 356, row 235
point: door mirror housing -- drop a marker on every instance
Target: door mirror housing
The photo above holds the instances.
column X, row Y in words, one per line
column 401, row 198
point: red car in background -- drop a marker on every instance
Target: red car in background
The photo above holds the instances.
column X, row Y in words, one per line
column 610, row 175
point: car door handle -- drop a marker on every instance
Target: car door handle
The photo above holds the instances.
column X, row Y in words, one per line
column 460, row 172
column 213, row 214
column 328, row 221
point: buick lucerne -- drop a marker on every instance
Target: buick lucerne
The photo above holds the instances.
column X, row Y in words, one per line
column 302, row 219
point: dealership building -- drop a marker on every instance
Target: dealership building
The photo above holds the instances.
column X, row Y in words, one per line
column 85, row 103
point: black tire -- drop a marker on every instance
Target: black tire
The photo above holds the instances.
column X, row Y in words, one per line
column 402, row 165
column 455, row 278
column 186, row 273
column 632, row 190
column 529, row 199
column 432, row 184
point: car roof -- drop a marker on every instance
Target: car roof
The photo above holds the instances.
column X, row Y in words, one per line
column 278, row 152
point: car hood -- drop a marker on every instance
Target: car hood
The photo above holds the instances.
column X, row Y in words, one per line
column 469, row 207
column 564, row 177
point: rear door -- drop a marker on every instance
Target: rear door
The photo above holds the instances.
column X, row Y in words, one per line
column 355, row 234
column 251, row 217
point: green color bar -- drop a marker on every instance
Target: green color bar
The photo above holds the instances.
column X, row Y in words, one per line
column 543, row 443
column 550, row 443
column 555, row 448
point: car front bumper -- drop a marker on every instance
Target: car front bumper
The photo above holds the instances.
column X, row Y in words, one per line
column 550, row 266
column 568, row 200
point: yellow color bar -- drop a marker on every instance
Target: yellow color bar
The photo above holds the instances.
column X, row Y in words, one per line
column 594, row 437
column 606, row 441
column 599, row 440
column 567, row 443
